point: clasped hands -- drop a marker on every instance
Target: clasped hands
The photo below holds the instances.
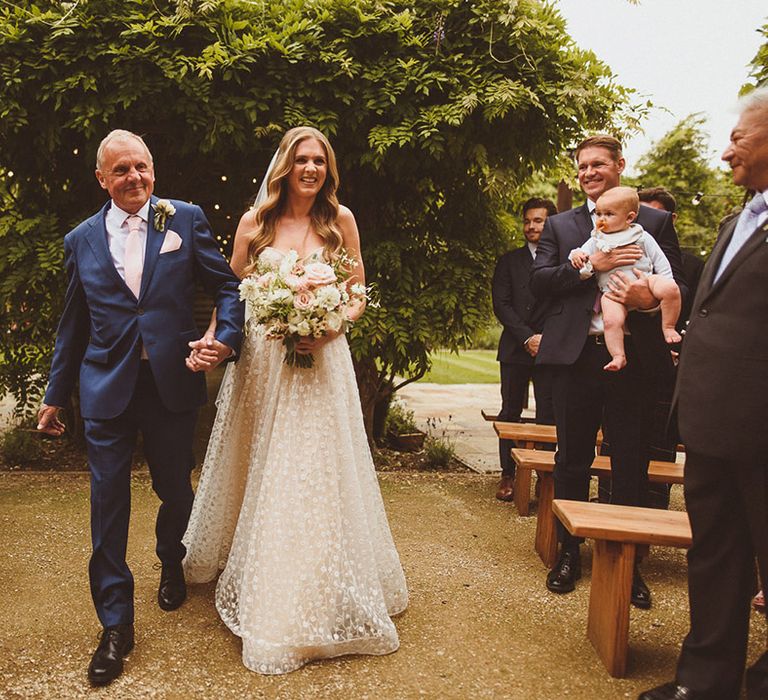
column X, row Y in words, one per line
column 633, row 293
column 207, row 353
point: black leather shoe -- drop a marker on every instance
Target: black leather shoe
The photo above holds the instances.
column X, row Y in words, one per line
column 173, row 590
column 562, row 579
column 107, row 661
column 641, row 596
column 670, row 691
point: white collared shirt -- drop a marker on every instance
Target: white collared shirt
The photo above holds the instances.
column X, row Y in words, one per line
column 532, row 247
column 117, row 234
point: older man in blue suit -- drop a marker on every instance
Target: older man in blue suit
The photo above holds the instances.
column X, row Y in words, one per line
column 125, row 332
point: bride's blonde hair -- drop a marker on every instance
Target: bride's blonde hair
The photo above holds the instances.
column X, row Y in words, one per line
column 325, row 209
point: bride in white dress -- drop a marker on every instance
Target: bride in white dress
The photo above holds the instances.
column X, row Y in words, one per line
column 288, row 506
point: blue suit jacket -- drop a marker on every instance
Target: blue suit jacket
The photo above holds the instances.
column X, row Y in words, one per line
column 571, row 298
column 103, row 324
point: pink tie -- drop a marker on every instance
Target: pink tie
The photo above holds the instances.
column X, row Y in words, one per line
column 133, row 262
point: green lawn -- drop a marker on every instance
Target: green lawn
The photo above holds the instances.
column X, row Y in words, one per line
column 469, row 367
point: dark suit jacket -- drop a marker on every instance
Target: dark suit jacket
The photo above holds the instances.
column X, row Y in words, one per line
column 521, row 314
column 722, row 385
column 103, row 325
column 572, row 299
column 693, row 266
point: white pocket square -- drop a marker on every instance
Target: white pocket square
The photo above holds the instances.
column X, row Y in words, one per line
column 171, row 242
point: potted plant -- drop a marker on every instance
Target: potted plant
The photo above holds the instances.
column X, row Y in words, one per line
column 401, row 429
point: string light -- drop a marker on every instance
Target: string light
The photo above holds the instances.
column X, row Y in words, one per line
column 75, row 151
column 697, row 199
column 223, row 178
column 216, row 207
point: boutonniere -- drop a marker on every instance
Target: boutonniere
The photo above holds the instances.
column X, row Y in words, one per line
column 163, row 209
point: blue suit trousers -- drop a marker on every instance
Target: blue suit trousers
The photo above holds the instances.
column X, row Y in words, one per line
column 167, row 439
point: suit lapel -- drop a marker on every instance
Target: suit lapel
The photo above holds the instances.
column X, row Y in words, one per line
column 755, row 240
column 152, row 251
column 584, row 220
column 96, row 236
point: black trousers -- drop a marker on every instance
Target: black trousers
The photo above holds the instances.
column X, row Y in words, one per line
column 586, row 397
column 514, row 389
column 727, row 503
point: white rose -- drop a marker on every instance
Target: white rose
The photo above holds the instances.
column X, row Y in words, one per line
column 303, row 328
column 288, row 262
column 328, row 297
column 280, row 295
column 334, row 321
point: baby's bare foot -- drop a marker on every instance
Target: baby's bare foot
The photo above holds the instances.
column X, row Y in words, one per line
column 617, row 362
column 671, row 335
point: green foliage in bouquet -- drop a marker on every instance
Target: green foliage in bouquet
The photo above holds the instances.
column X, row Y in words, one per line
column 436, row 108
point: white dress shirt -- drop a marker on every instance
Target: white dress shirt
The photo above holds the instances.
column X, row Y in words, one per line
column 116, row 222
column 745, row 227
column 117, row 234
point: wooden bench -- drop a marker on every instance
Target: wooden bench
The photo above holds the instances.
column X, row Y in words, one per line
column 617, row 531
column 527, row 435
column 544, row 464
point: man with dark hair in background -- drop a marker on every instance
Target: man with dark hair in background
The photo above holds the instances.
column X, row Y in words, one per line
column 661, row 198
column 522, row 317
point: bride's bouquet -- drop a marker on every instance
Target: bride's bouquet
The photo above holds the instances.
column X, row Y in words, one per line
column 295, row 299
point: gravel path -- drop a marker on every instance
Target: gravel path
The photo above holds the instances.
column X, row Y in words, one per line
column 480, row 623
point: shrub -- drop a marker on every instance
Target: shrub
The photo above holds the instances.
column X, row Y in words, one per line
column 20, row 446
column 400, row 420
column 438, row 452
column 487, row 337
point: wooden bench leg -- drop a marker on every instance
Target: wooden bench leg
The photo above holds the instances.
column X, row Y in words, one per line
column 546, row 527
column 608, row 621
column 523, row 490
column 523, row 486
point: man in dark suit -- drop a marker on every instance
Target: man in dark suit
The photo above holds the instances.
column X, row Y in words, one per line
column 662, row 198
column 522, row 317
column 722, row 404
column 663, row 440
column 585, row 396
column 125, row 332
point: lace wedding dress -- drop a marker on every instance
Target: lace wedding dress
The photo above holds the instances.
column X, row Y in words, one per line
column 288, row 505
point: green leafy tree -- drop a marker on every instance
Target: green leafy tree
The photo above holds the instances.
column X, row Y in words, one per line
column 759, row 72
column 679, row 161
column 430, row 104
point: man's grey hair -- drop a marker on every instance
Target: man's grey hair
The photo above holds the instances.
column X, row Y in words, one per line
column 118, row 135
column 757, row 99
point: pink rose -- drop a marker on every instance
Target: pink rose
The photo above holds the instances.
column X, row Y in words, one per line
column 295, row 282
column 303, row 300
column 266, row 279
column 317, row 274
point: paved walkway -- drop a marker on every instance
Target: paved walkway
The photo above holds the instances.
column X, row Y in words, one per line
column 453, row 411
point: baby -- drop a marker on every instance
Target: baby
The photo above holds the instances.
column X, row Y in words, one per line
column 616, row 210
